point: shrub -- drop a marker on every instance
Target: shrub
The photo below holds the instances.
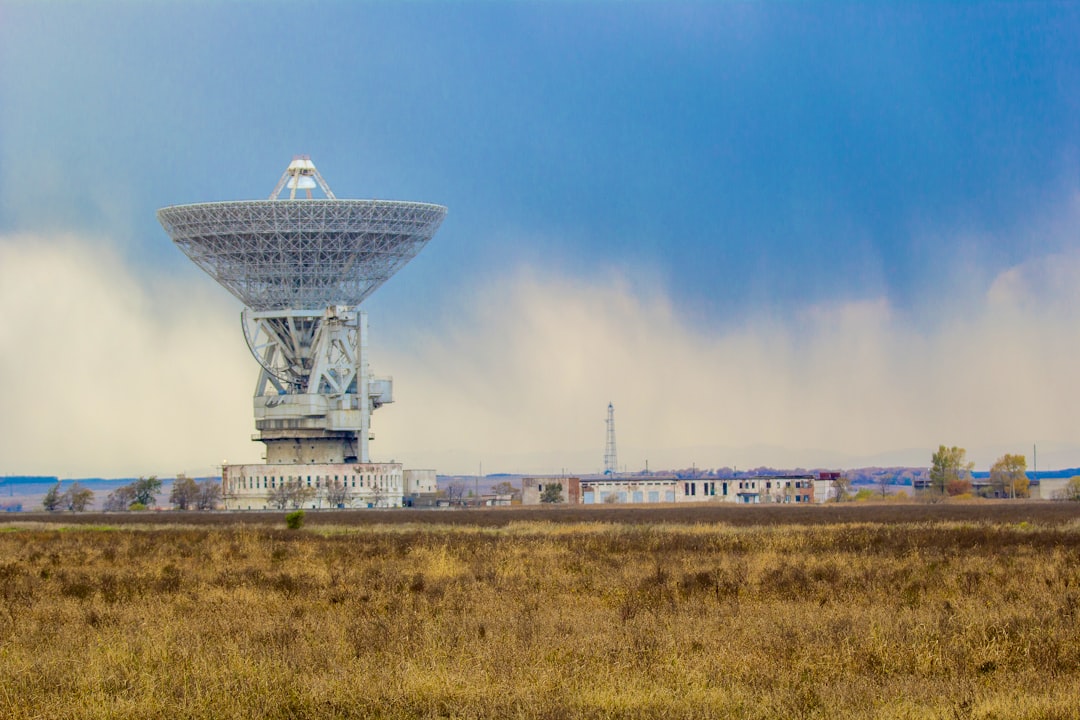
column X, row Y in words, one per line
column 552, row 493
column 958, row 486
column 295, row 520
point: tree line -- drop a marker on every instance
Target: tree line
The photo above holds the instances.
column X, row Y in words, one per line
column 186, row 494
column 950, row 475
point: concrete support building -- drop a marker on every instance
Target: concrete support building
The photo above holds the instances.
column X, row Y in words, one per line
column 312, row 485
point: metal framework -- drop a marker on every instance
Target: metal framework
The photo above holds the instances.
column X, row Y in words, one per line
column 302, row 254
column 301, row 267
column 611, row 460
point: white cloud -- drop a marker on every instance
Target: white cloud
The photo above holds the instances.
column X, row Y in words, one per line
column 107, row 372
column 520, row 378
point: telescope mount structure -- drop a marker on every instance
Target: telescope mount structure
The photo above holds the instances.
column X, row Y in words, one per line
column 302, row 266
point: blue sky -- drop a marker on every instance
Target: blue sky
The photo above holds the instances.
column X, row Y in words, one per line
column 747, row 175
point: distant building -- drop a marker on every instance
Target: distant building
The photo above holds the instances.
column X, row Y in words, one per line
column 655, row 489
column 825, row 486
column 420, row 482
column 532, row 489
column 616, row 489
column 1049, row 488
column 360, row 485
column 770, row 489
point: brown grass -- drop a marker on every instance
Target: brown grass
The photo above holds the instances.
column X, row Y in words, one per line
column 979, row 510
column 528, row 618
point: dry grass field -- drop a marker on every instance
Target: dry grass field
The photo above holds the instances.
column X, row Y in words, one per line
column 526, row 616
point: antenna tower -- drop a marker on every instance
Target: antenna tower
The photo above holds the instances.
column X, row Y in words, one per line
column 302, row 266
column 611, row 461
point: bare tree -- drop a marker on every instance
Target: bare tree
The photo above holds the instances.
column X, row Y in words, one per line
column 377, row 495
column 278, row 497
column 883, row 480
column 291, row 493
column 841, row 488
column 209, row 495
column 77, row 498
column 455, row 492
column 120, row 499
column 337, row 494
column 185, row 493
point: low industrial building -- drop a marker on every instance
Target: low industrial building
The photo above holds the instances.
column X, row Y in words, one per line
column 652, row 489
column 335, row 485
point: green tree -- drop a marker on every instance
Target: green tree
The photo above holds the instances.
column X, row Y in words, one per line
column 948, row 465
column 864, row 494
column 552, row 493
column 53, row 499
column 295, row 520
column 77, row 498
column 1008, row 476
column 146, row 490
column 184, row 494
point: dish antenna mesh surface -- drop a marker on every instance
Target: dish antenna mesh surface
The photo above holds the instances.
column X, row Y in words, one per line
column 301, row 254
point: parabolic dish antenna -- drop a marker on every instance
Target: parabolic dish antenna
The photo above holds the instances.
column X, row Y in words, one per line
column 301, row 254
column 301, row 266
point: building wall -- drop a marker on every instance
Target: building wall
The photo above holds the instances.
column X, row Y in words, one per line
column 420, row 482
column 1049, row 488
column 770, row 489
column 646, row 489
column 248, row 487
column 651, row 489
column 533, row 487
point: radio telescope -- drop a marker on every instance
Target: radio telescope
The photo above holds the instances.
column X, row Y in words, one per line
column 302, row 265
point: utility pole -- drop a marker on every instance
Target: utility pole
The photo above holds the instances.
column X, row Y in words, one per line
column 476, row 485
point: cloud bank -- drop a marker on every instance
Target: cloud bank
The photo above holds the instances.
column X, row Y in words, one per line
column 521, row 378
column 108, row 372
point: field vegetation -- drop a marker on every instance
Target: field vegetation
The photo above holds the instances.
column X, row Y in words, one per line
column 530, row 617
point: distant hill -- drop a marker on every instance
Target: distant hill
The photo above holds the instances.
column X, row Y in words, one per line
column 25, row 479
column 1040, row 475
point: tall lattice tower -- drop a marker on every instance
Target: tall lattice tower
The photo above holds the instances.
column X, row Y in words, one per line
column 611, row 460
